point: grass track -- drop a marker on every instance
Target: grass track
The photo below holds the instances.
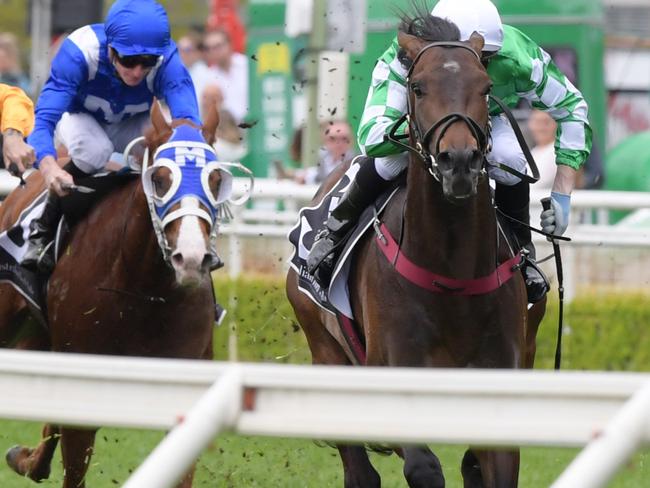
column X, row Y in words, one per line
column 233, row 461
column 604, row 331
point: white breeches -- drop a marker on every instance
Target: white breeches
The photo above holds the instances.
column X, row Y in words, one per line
column 505, row 150
column 90, row 143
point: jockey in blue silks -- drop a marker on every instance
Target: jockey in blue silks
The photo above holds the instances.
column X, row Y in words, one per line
column 102, row 84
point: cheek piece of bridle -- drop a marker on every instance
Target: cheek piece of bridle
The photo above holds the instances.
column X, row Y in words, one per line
column 481, row 135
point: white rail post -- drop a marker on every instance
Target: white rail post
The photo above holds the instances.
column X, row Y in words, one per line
column 595, row 466
column 218, row 408
column 235, row 251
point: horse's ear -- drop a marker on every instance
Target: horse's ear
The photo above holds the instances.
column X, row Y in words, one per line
column 158, row 121
column 210, row 124
column 411, row 44
column 477, row 42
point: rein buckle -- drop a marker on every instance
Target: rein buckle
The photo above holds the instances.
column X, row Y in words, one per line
column 376, row 225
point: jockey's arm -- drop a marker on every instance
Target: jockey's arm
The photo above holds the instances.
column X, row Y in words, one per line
column 174, row 85
column 565, row 179
column 385, row 104
column 539, row 80
column 69, row 71
column 17, row 121
column 55, row 177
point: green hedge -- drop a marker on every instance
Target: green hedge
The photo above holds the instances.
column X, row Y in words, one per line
column 603, row 331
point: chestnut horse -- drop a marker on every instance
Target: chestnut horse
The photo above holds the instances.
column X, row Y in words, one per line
column 121, row 289
column 443, row 222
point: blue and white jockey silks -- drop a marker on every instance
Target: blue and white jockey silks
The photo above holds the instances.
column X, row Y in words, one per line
column 83, row 79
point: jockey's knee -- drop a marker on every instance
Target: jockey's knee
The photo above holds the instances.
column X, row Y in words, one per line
column 91, row 156
column 390, row 167
column 512, row 157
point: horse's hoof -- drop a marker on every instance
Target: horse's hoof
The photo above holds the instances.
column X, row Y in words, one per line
column 14, row 455
column 18, row 459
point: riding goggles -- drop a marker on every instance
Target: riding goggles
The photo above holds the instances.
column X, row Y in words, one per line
column 144, row 60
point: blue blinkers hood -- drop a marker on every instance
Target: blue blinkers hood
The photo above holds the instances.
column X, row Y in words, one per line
column 190, row 160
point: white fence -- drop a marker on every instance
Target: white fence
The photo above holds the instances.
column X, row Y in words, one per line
column 589, row 230
column 266, row 220
column 199, row 399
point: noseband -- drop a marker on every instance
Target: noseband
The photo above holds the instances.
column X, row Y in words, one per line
column 422, row 141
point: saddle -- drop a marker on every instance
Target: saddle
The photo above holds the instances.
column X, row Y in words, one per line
column 13, row 241
column 330, row 296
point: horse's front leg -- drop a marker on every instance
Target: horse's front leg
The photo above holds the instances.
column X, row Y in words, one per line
column 186, row 481
column 422, row 467
column 499, row 468
column 358, row 472
column 35, row 463
column 77, row 450
column 18, row 329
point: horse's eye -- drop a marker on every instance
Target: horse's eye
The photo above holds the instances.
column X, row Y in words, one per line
column 162, row 180
column 417, row 89
column 214, row 181
column 487, row 90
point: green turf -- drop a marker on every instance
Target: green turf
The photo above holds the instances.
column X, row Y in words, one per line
column 604, row 331
column 233, row 461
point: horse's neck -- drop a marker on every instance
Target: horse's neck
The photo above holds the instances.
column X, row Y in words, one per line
column 140, row 251
column 458, row 240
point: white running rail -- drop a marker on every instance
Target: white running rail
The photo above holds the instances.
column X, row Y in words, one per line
column 198, row 399
column 266, row 220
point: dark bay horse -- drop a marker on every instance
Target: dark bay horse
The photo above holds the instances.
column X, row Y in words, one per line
column 116, row 291
column 444, row 223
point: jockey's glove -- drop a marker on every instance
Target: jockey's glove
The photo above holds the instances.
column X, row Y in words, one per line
column 556, row 219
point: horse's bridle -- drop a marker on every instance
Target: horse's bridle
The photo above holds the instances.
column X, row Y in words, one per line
column 443, row 124
column 482, row 135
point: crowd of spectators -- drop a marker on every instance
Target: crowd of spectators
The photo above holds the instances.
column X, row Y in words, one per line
column 11, row 72
column 337, row 148
column 219, row 71
column 220, row 77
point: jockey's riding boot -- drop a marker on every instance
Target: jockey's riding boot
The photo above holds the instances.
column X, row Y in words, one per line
column 364, row 189
column 514, row 202
column 38, row 257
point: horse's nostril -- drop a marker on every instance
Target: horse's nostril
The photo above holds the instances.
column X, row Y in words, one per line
column 207, row 261
column 177, row 258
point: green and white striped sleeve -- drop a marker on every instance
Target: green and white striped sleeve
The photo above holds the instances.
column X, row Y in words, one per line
column 385, row 104
column 541, row 82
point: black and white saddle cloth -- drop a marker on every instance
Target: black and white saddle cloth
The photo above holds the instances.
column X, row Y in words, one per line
column 13, row 241
column 334, row 297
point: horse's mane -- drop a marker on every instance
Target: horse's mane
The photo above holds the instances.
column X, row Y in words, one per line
column 420, row 23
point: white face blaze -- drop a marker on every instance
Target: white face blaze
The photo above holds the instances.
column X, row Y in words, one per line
column 452, row 66
column 191, row 250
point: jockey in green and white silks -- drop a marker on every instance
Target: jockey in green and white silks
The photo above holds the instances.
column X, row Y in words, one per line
column 519, row 68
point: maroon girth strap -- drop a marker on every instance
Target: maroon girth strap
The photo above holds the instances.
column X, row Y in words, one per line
column 442, row 284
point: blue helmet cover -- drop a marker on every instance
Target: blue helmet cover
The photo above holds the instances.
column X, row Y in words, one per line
column 187, row 149
column 137, row 27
